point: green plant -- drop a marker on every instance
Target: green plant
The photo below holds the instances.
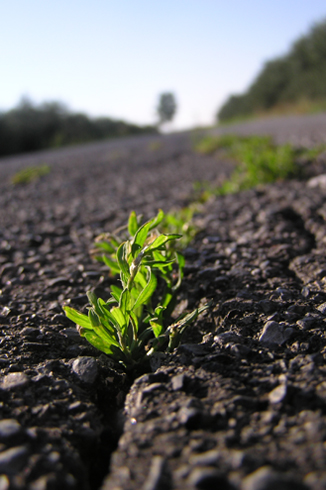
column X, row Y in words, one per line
column 29, row 174
column 259, row 161
column 180, row 221
column 135, row 321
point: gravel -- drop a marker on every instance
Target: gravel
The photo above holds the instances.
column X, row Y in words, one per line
column 240, row 404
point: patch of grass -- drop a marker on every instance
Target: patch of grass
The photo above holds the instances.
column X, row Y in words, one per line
column 180, row 221
column 135, row 321
column 258, row 161
column 29, row 174
column 155, row 146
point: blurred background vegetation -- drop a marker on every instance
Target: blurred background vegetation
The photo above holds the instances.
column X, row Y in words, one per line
column 29, row 127
column 295, row 82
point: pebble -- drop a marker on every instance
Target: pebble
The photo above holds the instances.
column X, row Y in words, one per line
column 226, row 337
column 189, row 416
column 86, row 369
column 9, row 428
column 278, row 394
column 265, row 478
column 4, row 482
column 319, row 181
column 13, row 460
column 274, row 334
column 322, row 308
column 178, row 382
column 14, row 380
column 208, row 478
column 158, row 477
column 205, row 459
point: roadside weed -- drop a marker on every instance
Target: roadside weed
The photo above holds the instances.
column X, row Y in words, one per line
column 135, row 321
column 29, row 174
column 259, row 161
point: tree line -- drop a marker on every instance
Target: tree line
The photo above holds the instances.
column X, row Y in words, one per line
column 29, row 127
column 299, row 75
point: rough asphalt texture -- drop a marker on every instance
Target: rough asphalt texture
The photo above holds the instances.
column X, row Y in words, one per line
column 242, row 403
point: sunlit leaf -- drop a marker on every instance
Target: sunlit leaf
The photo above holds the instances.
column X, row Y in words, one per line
column 148, row 291
column 132, row 224
column 122, row 260
column 78, row 318
column 160, row 241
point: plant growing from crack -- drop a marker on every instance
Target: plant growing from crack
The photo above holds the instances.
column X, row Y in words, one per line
column 29, row 174
column 135, row 321
column 259, row 161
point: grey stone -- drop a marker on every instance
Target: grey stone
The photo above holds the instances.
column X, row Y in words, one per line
column 14, row 380
column 178, row 382
column 9, row 428
column 265, row 478
column 4, row 482
column 158, row 478
column 272, row 334
column 208, row 478
column 85, row 368
column 322, row 308
column 278, row 394
column 319, row 181
column 13, row 460
column 205, row 459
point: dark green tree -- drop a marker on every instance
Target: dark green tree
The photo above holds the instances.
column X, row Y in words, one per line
column 299, row 75
column 166, row 108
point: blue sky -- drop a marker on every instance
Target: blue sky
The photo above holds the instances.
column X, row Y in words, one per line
column 114, row 57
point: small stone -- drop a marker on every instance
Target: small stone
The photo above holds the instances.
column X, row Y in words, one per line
column 189, row 416
column 278, row 394
column 265, row 478
column 59, row 281
column 272, row 334
column 14, row 380
column 319, row 181
column 205, row 459
column 9, row 428
column 85, row 368
column 158, row 477
column 152, row 387
column 4, row 482
column 178, row 382
column 207, row 478
column 13, row 460
column 71, row 333
column 226, row 337
column 322, row 308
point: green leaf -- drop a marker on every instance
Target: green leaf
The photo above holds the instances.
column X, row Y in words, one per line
column 116, row 292
column 111, row 264
column 157, row 220
column 139, row 239
column 132, row 224
column 157, row 328
column 93, row 318
column 181, row 263
column 122, row 259
column 106, row 246
column 157, row 263
column 98, row 343
column 110, row 317
column 125, row 301
column 79, row 318
column 120, row 318
column 148, row 291
column 94, row 302
column 160, row 241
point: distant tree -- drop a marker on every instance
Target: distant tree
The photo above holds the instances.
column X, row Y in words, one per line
column 166, row 108
column 298, row 75
column 30, row 127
